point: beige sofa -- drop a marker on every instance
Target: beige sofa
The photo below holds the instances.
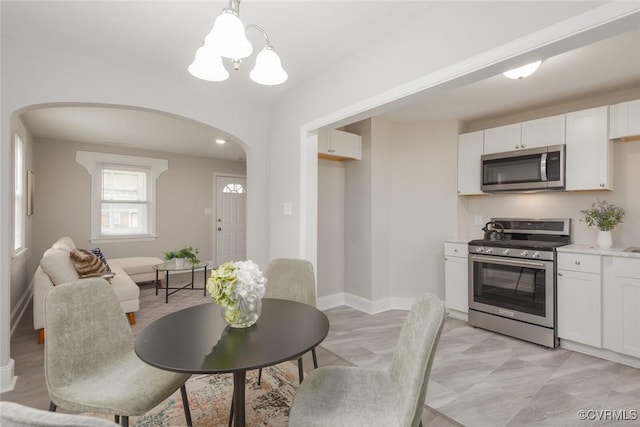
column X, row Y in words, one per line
column 56, row 267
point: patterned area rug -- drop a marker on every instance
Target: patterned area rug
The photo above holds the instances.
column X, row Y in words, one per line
column 267, row 404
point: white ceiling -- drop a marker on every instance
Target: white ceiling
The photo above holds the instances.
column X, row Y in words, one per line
column 174, row 30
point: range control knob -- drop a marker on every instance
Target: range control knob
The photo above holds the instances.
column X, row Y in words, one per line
column 506, row 252
column 524, row 253
column 489, row 250
column 536, row 254
column 479, row 249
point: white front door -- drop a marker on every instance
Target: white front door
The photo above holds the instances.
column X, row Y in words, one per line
column 231, row 218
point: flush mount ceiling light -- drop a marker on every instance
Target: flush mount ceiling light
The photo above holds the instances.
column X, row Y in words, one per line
column 522, row 72
column 228, row 39
column 221, row 141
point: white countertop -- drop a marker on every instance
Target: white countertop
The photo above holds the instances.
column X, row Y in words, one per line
column 595, row 250
column 458, row 240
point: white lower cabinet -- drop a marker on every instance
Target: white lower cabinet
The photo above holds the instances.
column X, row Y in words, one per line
column 456, row 276
column 580, row 298
column 622, row 305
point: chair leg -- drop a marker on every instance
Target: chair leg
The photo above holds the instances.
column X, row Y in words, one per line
column 315, row 358
column 300, row 370
column 185, row 402
column 124, row 421
column 116, row 418
column 41, row 336
column 52, row 407
column 231, row 414
column 132, row 318
column 259, row 375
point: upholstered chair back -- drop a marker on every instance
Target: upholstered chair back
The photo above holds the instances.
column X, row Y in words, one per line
column 86, row 330
column 412, row 359
column 291, row 279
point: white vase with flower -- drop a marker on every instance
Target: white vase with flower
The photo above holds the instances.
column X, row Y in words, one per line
column 238, row 287
column 605, row 216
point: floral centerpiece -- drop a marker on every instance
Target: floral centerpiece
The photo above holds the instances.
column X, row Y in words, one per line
column 238, row 287
column 605, row 216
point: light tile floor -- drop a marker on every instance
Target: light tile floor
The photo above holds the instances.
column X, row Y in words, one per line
column 480, row 378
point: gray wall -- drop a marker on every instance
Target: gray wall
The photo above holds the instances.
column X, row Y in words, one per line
column 63, row 200
column 330, row 268
column 400, row 206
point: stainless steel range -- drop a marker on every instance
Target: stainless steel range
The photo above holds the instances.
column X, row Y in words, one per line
column 512, row 278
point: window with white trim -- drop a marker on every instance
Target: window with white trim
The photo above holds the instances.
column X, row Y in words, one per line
column 123, row 195
column 20, row 196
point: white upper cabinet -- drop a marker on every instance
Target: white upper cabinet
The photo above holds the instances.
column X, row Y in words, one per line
column 470, row 149
column 502, row 138
column 625, row 120
column 543, row 132
column 589, row 156
column 339, row 145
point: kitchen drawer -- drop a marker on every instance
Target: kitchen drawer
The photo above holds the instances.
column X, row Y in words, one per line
column 456, row 249
column 625, row 267
column 579, row 262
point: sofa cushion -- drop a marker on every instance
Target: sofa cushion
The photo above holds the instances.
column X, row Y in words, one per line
column 64, row 243
column 124, row 288
column 137, row 265
column 86, row 263
column 56, row 263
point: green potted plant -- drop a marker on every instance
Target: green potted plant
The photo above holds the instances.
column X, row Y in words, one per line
column 605, row 216
column 187, row 253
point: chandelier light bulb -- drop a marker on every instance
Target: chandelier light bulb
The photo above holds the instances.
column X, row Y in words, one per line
column 522, row 72
column 228, row 36
column 207, row 65
column 268, row 69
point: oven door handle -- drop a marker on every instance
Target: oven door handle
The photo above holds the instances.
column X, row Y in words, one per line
column 515, row 263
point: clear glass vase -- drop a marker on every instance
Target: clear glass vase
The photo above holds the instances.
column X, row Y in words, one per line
column 244, row 313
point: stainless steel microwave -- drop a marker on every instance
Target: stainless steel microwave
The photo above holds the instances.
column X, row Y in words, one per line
column 534, row 169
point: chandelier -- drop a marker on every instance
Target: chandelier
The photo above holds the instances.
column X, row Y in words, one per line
column 228, row 39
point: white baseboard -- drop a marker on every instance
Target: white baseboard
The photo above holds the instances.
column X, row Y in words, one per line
column 460, row 315
column 602, row 353
column 363, row 304
column 7, row 379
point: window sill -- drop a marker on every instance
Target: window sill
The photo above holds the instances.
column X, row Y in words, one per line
column 120, row 239
column 19, row 253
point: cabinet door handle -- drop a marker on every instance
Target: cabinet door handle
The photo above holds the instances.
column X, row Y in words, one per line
column 577, row 262
column 455, row 250
column 601, row 185
column 559, row 274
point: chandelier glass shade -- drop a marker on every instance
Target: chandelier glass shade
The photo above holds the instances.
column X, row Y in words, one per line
column 228, row 39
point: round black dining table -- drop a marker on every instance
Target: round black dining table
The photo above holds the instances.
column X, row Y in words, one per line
column 197, row 340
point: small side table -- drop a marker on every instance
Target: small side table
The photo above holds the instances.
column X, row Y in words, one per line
column 170, row 266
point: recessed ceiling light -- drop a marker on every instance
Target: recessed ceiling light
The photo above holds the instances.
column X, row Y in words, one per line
column 220, row 141
column 522, row 72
